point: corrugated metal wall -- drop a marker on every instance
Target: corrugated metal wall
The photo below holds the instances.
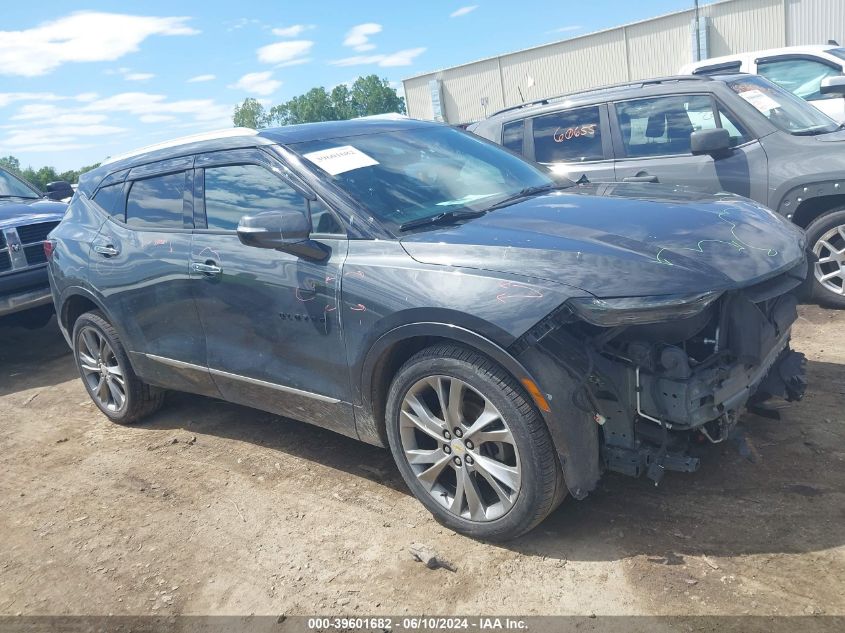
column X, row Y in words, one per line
column 815, row 22
column 651, row 48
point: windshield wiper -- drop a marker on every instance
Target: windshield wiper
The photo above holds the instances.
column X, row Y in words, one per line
column 441, row 218
column 815, row 131
column 10, row 195
column 527, row 192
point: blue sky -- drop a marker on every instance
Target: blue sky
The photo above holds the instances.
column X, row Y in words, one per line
column 81, row 82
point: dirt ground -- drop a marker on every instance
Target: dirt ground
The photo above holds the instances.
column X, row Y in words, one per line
column 211, row 508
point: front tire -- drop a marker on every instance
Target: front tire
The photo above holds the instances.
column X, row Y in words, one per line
column 470, row 445
column 826, row 242
column 106, row 373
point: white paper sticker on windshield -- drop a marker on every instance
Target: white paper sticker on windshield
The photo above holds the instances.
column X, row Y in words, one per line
column 763, row 102
column 338, row 160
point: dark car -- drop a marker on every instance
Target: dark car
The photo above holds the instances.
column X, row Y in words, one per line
column 26, row 217
column 732, row 132
column 412, row 285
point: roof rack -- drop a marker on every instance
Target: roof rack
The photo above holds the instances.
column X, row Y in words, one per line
column 611, row 87
column 184, row 140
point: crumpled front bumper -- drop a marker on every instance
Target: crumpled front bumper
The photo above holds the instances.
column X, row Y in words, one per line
column 723, row 388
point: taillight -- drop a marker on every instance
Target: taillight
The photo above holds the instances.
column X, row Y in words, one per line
column 49, row 246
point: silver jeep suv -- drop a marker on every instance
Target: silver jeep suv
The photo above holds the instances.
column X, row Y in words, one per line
column 738, row 133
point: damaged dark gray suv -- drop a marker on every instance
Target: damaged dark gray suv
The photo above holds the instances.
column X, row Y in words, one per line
column 508, row 336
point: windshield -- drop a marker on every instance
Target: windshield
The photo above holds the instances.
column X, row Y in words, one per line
column 783, row 109
column 405, row 176
column 11, row 187
column 836, row 52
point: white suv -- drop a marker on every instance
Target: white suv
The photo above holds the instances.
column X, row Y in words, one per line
column 803, row 70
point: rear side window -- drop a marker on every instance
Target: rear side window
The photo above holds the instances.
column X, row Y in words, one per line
column 512, row 135
column 157, row 202
column 112, row 201
column 573, row 136
column 661, row 126
column 233, row 191
column 802, row 77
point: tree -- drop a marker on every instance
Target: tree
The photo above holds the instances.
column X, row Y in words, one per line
column 314, row 105
column 250, row 114
column 368, row 95
column 371, row 95
column 342, row 102
column 11, row 163
column 41, row 176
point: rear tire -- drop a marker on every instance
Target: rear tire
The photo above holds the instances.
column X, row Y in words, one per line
column 826, row 246
column 107, row 374
column 470, row 444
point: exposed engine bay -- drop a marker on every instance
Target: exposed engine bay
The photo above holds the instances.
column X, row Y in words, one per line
column 654, row 390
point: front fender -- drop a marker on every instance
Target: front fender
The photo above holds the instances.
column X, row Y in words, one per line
column 788, row 199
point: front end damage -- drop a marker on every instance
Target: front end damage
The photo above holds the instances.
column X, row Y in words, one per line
column 640, row 395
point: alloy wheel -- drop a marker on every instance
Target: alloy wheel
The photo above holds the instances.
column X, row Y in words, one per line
column 460, row 448
column 829, row 250
column 101, row 370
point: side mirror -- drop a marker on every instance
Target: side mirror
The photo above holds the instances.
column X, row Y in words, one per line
column 833, row 85
column 287, row 231
column 716, row 142
column 59, row 190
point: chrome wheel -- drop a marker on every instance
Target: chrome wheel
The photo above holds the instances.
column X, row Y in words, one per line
column 100, row 369
column 460, row 448
column 830, row 265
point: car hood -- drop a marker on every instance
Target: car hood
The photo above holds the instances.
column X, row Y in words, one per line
column 615, row 240
column 15, row 213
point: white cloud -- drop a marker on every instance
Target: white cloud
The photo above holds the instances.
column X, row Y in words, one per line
column 144, row 103
column 128, row 75
column 65, row 125
column 284, row 52
column 358, row 36
column 84, row 36
column 138, row 76
column 463, row 11
column 199, row 78
column 295, row 62
column 294, row 30
column 257, row 83
column 399, row 58
column 156, row 118
column 241, row 23
column 566, row 29
column 33, row 138
column 49, row 114
column 7, row 98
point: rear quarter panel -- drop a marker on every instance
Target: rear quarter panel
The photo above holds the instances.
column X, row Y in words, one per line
column 68, row 270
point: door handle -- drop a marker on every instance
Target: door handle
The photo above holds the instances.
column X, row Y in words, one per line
column 106, row 250
column 641, row 178
column 207, row 268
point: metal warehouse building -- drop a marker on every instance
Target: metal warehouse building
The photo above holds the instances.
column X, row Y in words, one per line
column 651, row 48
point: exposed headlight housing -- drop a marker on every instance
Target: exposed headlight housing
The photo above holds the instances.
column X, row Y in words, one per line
column 640, row 310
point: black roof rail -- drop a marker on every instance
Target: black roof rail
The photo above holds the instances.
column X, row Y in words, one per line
column 607, row 88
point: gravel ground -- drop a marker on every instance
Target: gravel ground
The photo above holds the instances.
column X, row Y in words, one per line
column 211, row 508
